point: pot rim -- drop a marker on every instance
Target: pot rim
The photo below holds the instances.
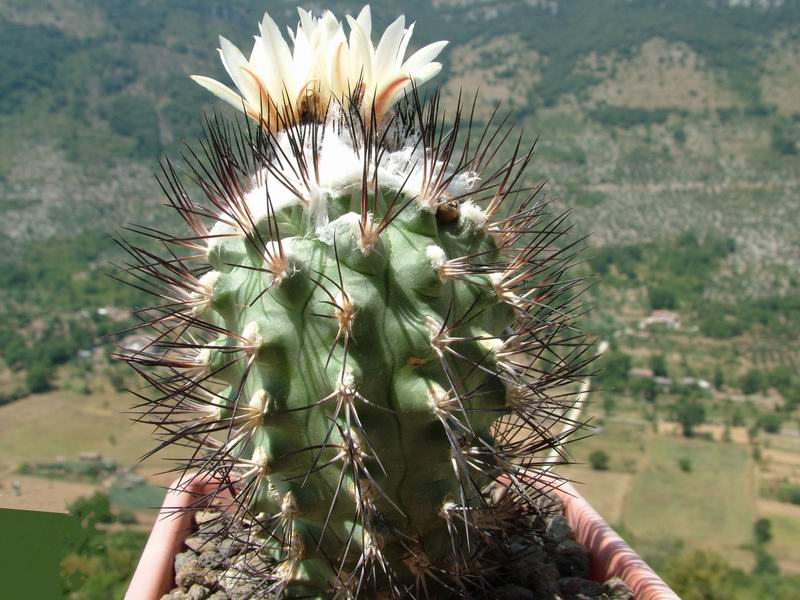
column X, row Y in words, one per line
column 611, row 555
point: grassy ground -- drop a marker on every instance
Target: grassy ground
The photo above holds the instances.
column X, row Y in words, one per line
column 644, row 492
column 43, row 427
column 785, row 520
column 713, row 505
column 654, row 503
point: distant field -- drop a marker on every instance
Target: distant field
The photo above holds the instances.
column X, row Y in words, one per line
column 43, row 427
column 713, row 507
column 37, row 493
column 786, row 534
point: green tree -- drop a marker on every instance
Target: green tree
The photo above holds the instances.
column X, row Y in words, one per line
column 135, row 117
column 117, row 379
column 698, row 576
column 599, row 460
column 781, row 378
column 719, row 378
column 92, row 510
column 762, row 531
column 614, row 371
column 661, row 296
column 782, row 141
column 659, row 365
column 789, row 492
column 645, row 387
column 765, row 563
column 689, row 413
column 39, row 378
column 770, row 422
column 102, row 568
column 753, row 381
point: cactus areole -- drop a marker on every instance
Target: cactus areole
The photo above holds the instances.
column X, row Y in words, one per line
column 365, row 324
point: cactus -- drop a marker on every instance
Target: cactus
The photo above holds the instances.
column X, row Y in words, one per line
column 367, row 326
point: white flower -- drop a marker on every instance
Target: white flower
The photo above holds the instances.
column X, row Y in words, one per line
column 278, row 85
column 385, row 75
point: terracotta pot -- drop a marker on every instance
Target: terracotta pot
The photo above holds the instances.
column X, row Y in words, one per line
column 611, row 556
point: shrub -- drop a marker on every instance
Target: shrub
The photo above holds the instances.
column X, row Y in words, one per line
column 598, row 460
column 661, row 297
column 789, row 492
column 753, row 381
column 10, row 395
column 689, row 413
column 614, row 370
column 39, row 378
column 659, row 365
column 782, row 141
column 92, row 510
column 771, row 422
column 625, row 116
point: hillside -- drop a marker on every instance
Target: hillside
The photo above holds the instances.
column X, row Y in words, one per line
column 669, row 129
column 678, row 122
column 653, row 119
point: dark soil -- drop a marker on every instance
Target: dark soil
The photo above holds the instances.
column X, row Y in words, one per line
column 548, row 566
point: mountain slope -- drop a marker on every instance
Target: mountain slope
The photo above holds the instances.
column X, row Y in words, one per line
column 652, row 117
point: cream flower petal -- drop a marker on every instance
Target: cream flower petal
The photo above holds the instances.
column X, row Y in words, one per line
column 279, row 77
column 233, row 60
column 339, row 74
column 401, row 52
column 364, row 20
column 221, row 91
column 423, row 56
column 386, row 53
column 419, row 77
column 388, row 93
column 403, row 84
column 306, row 23
column 329, row 26
column 361, row 54
column 303, row 55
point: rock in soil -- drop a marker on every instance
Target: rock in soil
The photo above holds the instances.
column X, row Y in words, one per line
column 198, row 592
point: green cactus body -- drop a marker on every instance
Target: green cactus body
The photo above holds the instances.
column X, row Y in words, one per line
column 344, row 357
column 358, row 344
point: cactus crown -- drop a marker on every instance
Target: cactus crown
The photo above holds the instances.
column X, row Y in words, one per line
column 365, row 329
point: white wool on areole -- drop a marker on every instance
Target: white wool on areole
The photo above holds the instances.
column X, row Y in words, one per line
column 348, row 223
column 340, row 172
column 436, row 256
column 473, row 214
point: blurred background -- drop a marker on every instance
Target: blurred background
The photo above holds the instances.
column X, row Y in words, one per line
column 669, row 128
